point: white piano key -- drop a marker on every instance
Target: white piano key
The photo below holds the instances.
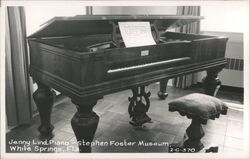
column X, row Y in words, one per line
column 147, row 65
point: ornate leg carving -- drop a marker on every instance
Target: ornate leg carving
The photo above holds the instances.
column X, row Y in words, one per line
column 84, row 123
column 194, row 132
column 137, row 109
column 211, row 83
column 191, row 141
column 162, row 94
column 44, row 98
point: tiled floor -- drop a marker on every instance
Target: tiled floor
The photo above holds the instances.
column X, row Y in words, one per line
column 225, row 132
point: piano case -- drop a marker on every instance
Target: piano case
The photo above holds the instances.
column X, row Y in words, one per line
column 84, row 56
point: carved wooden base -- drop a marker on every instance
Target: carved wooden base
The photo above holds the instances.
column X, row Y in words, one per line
column 211, row 83
column 44, row 99
column 191, row 141
column 84, row 124
column 194, row 132
column 137, row 109
column 162, row 94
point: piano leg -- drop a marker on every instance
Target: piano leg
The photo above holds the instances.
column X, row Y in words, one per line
column 137, row 109
column 84, row 123
column 162, row 94
column 211, row 83
column 44, row 99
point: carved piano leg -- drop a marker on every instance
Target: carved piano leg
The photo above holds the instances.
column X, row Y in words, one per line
column 44, row 98
column 137, row 109
column 162, row 94
column 84, row 123
column 211, row 83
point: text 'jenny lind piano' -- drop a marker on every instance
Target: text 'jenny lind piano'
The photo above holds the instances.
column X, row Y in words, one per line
column 84, row 58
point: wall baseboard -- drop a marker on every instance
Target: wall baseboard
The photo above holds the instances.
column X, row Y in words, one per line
column 223, row 88
column 238, row 107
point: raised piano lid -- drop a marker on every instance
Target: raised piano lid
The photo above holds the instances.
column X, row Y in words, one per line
column 101, row 24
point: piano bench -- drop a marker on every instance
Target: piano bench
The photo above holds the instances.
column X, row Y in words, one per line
column 199, row 108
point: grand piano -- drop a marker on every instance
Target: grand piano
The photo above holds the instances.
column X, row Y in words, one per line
column 84, row 58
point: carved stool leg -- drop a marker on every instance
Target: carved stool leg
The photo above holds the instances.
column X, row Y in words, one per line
column 162, row 94
column 191, row 141
column 84, row 124
column 194, row 132
column 211, row 83
column 44, row 98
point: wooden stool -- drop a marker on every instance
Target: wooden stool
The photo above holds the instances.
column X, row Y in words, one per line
column 199, row 108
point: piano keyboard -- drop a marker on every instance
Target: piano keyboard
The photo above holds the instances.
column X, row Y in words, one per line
column 148, row 65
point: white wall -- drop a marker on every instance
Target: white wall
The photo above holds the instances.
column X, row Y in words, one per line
column 230, row 16
column 37, row 15
column 134, row 10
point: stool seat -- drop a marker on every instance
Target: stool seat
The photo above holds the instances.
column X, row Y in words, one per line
column 198, row 105
column 199, row 108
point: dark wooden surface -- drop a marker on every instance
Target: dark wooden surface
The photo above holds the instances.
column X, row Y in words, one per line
column 44, row 99
column 90, row 24
column 59, row 67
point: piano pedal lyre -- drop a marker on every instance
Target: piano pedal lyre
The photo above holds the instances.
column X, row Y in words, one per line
column 137, row 109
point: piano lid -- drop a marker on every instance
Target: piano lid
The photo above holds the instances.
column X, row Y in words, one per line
column 101, row 24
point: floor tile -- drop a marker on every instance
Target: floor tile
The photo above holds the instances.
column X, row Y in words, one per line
column 215, row 139
column 216, row 128
column 227, row 149
column 235, row 115
column 235, row 129
column 234, row 143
